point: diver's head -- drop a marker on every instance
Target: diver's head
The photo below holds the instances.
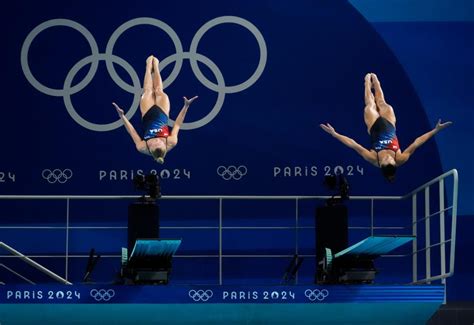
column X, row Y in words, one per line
column 158, row 151
column 388, row 171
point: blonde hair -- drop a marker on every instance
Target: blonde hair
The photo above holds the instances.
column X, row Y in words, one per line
column 159, row 155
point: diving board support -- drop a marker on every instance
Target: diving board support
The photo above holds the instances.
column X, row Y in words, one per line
column 149, row 261
column 36, row 265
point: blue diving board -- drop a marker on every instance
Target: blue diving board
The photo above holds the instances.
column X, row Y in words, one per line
column 155, row 247
column 375, row 246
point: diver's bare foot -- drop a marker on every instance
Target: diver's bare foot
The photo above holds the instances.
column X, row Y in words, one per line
column 156, row 62
column 367, row 79
column 149, row 59
column 374, row 78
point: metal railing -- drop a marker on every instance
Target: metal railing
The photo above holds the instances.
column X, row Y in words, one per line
column 29, row 261
column 425, row 188
column 221, row 198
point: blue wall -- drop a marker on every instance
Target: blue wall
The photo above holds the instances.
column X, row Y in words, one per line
column 310, row 58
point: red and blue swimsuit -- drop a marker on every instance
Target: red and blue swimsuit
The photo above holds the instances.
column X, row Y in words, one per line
column 383, row 136
column 155, row 124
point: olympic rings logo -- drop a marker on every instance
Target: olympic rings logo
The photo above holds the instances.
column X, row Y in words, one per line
column 102, row 294
column 56, row 175
column 232, row 172
column 200, row 295
column 135, row 88
column 316, row 294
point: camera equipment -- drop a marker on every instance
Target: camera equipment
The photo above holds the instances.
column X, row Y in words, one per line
column 339, row 186
column 150, row 184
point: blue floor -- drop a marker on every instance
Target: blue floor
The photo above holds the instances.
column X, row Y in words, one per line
column 355, row 313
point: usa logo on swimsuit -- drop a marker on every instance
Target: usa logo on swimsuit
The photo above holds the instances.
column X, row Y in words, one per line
column 110, row 59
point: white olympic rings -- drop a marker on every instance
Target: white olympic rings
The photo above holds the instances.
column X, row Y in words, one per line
column 56, row 175
column 200, row 295
column 232, row 172
column 102, row 294
column 68, row 89
column 316, row 294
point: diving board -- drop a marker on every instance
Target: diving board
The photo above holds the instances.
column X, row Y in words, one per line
column 355, row 264
column 375, row 246
column 155, row 247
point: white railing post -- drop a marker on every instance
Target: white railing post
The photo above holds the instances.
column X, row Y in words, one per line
column 296, row 238
column 371, row 217
column 442, row 229
column 220, row 241
column 415, row 240
column 67, row 240
column 427, row 233
column 453, row 222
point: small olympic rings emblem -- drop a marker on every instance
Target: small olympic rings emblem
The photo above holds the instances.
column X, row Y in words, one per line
column 135, row 88
column 316, row 294
column 232, row 172
column 57, row 175
column 200, row 295
column 102, row 294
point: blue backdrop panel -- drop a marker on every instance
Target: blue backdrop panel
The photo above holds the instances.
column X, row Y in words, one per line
column 281, row 80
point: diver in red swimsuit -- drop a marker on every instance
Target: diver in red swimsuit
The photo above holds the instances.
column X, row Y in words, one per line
column 155, row 108
column 380, row 120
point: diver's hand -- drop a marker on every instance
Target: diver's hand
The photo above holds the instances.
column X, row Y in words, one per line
column 119, row 110
column 328, row 128
column 440, row 126
column 188, row 102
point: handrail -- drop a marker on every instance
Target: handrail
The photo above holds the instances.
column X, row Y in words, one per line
column 193, row 197
column 412, row 194
column 441, row 213
column 36, row 265
column 453, row 172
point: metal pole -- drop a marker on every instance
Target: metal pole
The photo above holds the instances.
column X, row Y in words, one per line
column 67, row 239
column 17, row 274
column 296, row 238
column 36, row 265
column 427, row 233
column 442, row 229
column 371, row 217
column 220, row 241
column 454, row 221
column 415, row 241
